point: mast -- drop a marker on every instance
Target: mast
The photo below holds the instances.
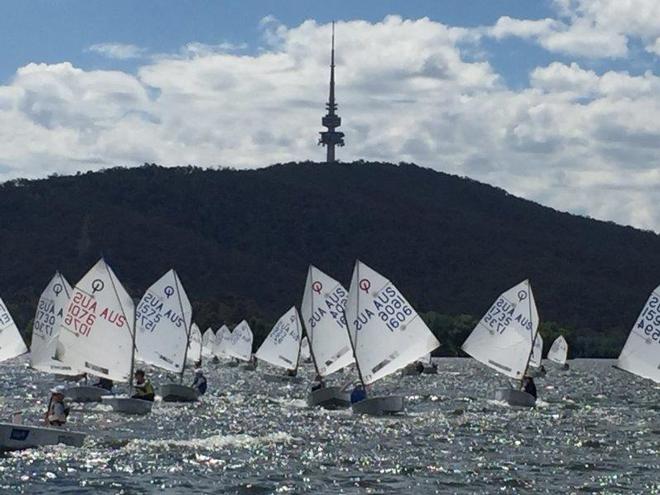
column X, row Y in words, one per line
column 331, row 120
column 529, row 357
column 185, row 352
column 354, row 345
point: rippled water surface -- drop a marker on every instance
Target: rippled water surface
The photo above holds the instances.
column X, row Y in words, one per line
column 596, row 430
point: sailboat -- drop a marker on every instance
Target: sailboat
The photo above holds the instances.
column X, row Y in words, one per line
column 558, row 352
column 15, row 435
column 239, row 343
column 305, row 356
column 536, row 368
column 46, row 328
column 164, row 318
column 322, row 310
column 208, row 343
column 283, row 345
column 641, row 353
column 195, row 345
column 504, row 339
column 386, row 333
column 97, row 333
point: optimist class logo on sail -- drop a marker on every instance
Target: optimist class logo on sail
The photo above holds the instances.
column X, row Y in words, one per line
column 390, row 306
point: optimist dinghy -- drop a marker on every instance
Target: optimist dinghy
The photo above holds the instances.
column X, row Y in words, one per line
column 322, row 310
column 15, row 435
column 164, row 319
column 641, row 353
column 558, row 352
column 504, row 340
column 386, row 333
column 282, row 347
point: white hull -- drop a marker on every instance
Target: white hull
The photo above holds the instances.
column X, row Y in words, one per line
column 175, row 392
column 18, row 437
column 127, row 405
column 514, row 397
column 85, row 393
column 329, row 398
column 379, row 406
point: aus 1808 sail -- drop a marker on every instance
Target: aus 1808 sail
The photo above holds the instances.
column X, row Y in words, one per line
column 322, row 311
column 387, row 333
column 503, row 337
column 641, row 354
column 97, row 328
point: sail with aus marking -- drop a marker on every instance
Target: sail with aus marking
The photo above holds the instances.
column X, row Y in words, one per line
column 97, row 329
column 535, row 360
column 641, row 354
column 503, row 337
column 322, row 311
column 387, row 333
column 239, row 344
column 11, row 342
column 46, row 327
column 282, row 346
column 558, row 351
column 208, row 343
column 163, row 318
column 222, row 339
column 195, row 344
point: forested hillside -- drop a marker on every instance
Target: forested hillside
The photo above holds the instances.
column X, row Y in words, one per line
column 242, row 240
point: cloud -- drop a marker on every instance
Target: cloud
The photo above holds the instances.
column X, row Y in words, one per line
column 408, row 90
column 118, row 51
column 589, row 28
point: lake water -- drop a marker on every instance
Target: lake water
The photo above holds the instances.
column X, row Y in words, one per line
column 596, row 430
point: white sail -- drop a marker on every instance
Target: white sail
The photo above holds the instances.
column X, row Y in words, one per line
column 641, row 354
column 46, row 327
column 387, row 333
column 208, row 343
column 222, row 339
column 97, row 329
column 195, row 344
column 537, row 353
column 11, row 342
column 558, row 351
column 239, row 344
column 163, row 318
column 503, row 337
column 305, row 355
column 282, row 346
column 322, row 311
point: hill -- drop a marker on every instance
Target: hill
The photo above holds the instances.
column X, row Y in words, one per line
column 242, row 240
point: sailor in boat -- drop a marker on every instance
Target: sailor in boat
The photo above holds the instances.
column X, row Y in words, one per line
column 529, row 386
column 58, row 411
column 199, row 383
column 104, row 383
column 317, row 384
column 358, row 394
column 292, row 372
column 565, row 366
column 143, row 388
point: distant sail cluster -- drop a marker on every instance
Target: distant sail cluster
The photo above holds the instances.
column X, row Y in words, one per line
column 96, row 328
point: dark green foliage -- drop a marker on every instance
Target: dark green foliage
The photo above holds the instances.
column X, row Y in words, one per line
column 242, row 240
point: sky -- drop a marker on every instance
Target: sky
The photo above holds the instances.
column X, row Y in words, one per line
column 556, row 101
